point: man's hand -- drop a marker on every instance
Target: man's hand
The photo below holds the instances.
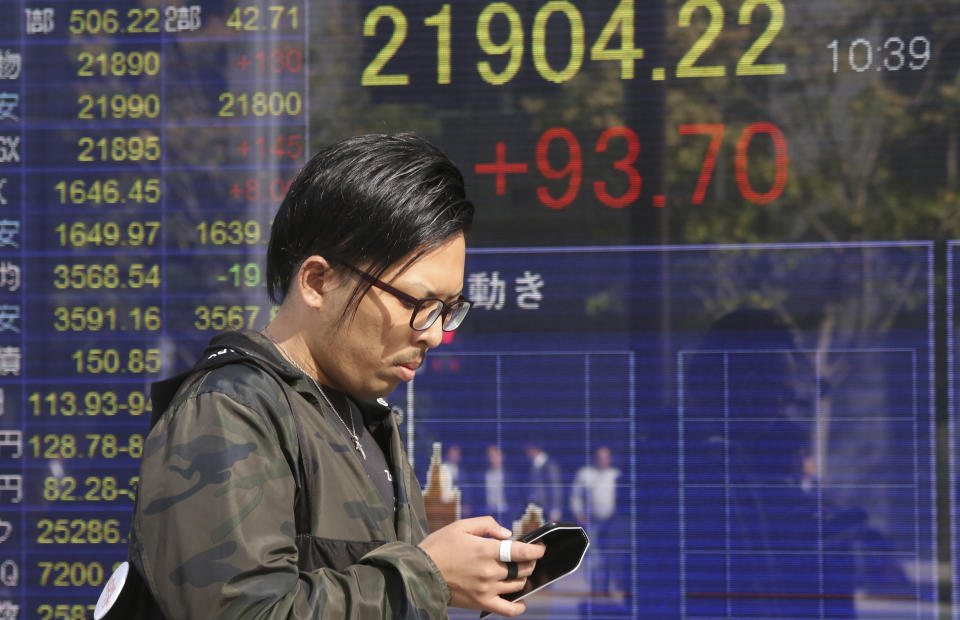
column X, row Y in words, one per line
column 467, row 552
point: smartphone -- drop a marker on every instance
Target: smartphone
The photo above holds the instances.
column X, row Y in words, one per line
column 566, row 545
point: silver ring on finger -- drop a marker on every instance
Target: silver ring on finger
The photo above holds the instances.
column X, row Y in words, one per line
column 505, row 550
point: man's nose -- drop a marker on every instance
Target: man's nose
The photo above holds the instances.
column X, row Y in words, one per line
column 433, row 335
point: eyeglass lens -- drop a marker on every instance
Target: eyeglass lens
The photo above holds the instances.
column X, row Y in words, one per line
column 428, row 311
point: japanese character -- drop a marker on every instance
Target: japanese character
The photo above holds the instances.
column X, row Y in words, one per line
column 9, row 574
column 39, row 21
column 10, row 65
column 9, row 229
column 9, row 102
column 9, row 275
column 8, row 149
column 528, row 291
column 12, row 483
column 13, row 439
column 183, row 18
column 486, row 291
column 9, row 318
column 10, row 361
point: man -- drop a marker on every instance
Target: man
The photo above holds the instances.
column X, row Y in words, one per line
column 494, row 482
column 275, row 483
column 450, row 474
column 593, row 500
column 545, row 489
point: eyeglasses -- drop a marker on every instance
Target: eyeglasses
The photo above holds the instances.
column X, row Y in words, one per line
column 425, row 310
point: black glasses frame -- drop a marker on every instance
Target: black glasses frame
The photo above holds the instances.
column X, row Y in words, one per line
column 417, row 302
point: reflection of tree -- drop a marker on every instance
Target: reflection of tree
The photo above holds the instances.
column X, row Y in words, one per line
column 873, row 156
column 852, row 136
column 339, row 105
column 848, row 299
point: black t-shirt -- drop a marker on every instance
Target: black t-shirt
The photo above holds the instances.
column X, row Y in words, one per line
column 375, row 463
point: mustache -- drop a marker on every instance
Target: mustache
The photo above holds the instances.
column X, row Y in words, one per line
column 406, row 359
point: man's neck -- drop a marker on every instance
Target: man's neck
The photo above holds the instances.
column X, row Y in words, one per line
column 292, row 347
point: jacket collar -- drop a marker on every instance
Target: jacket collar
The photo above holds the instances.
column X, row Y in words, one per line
column 256, row 345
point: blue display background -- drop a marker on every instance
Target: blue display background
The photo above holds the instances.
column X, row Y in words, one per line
column 758, row 479
column 778, row 413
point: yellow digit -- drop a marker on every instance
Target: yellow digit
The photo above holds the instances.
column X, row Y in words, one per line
column 276, row 13
column 621, row 20
column 442, row 21
column 513, row 44
column 540, row 41
column 371, row 74
column 748, row 62
column 203, row 317
column 686, row 66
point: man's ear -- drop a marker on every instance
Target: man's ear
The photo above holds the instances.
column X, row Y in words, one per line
column 315, row 279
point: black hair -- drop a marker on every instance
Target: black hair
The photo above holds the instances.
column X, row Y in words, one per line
column 368, row 201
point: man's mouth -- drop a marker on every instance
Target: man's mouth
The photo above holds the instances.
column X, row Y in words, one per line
column 412, row 365
column 408, row 369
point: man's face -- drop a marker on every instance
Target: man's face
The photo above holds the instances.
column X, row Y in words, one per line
column 377, row 349
column 603, row 457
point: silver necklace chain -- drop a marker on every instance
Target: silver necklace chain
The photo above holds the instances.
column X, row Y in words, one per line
column 316, row 384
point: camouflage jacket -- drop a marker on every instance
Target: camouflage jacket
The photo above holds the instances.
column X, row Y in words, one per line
column 218, row 525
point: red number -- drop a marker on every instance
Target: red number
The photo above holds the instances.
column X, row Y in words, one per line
column 279, row 187
column 573, row 169
column 249, row 191
column 289, row 146
column 252, row 190
column 624, row 165
column 292, row 60
column 294, row 146
column 709, row 159
column 278, row 61
column 780, row 159
column 278, row 149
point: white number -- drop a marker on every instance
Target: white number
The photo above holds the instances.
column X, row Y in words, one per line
column 852, row 56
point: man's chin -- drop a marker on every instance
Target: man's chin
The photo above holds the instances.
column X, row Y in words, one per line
column 382, row 389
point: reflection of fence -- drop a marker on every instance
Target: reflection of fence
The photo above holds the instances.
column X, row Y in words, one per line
column 759, row 523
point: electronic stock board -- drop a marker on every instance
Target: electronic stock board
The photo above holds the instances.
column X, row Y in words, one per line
column 713, row 255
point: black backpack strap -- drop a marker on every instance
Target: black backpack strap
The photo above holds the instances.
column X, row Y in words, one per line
column 163, row 393
column 302, row 504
